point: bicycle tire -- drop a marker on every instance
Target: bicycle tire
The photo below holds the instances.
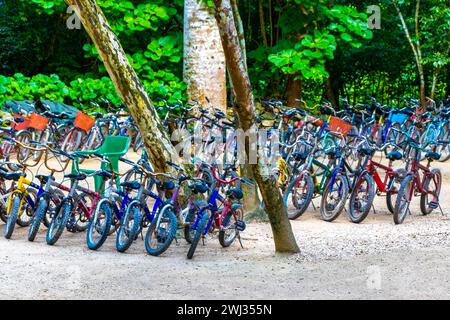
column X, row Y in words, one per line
column 106, row 206
column 41, row 210
column 125, row 236
column 167, row 236
column 198, row 233
column 59, row 222
column 12, row 216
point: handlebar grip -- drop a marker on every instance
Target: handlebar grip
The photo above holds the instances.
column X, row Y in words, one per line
column 175, row 166
column 79, row 155
column 71, row 157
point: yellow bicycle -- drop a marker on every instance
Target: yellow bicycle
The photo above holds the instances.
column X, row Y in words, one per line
column 22, row 199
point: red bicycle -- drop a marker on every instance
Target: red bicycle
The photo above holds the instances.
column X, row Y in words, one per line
column 363, row 194
column 420, row 179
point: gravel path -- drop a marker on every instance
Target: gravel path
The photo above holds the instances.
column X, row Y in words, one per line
column 375, row 259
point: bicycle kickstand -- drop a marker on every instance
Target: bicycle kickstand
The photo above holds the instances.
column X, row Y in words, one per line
column 314, row 206
column 374, row 211
column 240, row 240
column 442, row 211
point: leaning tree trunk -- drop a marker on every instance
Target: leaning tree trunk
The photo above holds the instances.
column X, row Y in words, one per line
column 204, row 61
column 126, row 82
column 245, row 109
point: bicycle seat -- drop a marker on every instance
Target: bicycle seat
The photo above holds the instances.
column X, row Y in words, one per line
column 104, row 174
column 19, row 120
column 13, row 175
column 76, row 176
column 166, row 185
column 132, row 185
column 394, row 155
column 198, row 187
column 432, row 155
column 299, row 156
column 235, row 194
column 366, row 151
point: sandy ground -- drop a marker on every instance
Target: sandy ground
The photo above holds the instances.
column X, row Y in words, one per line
column 339, row 260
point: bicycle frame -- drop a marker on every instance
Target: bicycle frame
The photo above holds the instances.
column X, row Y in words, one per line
column 418, row 183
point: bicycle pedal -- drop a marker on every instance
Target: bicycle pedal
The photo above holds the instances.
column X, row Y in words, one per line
column 240, row 225
column 433, row 204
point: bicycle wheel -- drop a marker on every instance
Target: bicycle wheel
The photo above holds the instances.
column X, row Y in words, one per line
column 391, row 195
column 161, row 232
column 99, row 225
column 202, row 224
column 191, row 217
column 71, row 143
column 12, row 216
column 59, row 222
column 361, row 199
column 228, row 231
column 129, row 227
column 39, row 214
column 431, row 184
column 25, row 218
column 54, row 204
column 333, row 199
column 23, row 137
column 403, row 199
column 82, row 221
column 300, row 191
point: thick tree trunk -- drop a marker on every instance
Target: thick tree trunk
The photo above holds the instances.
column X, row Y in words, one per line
column 204, row 61
column 245, row 109
column 294, row 91
column 329, row 92
column 126, row 82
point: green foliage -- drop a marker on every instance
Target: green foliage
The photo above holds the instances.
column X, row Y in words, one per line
column 149, row 31
column 20, row 87
column 310, row 42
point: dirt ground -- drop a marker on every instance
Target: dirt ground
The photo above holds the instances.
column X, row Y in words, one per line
column 339, row 260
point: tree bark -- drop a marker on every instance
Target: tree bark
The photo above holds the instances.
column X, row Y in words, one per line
column 415, row 46
column 262, row 22
column 294, row 91
column 204, row 68
column 245, row 109
column 126, row 82
column 434, row 82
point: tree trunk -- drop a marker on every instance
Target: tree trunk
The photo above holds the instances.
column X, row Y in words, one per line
column 204, row 68
column 294, row 91
column 126, row 82
column 329, row 92
column 245, row 109
column 434, row 82
column 415, row 45
column 262, row 22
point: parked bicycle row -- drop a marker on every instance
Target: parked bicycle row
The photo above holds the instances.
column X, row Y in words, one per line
column 128, row 204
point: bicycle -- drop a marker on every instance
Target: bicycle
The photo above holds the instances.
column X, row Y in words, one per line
column 209, row 217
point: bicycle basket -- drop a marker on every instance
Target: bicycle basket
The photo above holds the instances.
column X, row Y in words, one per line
column 20, row 125
column 38, row 122
column 83, row 121
column 339, row 125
